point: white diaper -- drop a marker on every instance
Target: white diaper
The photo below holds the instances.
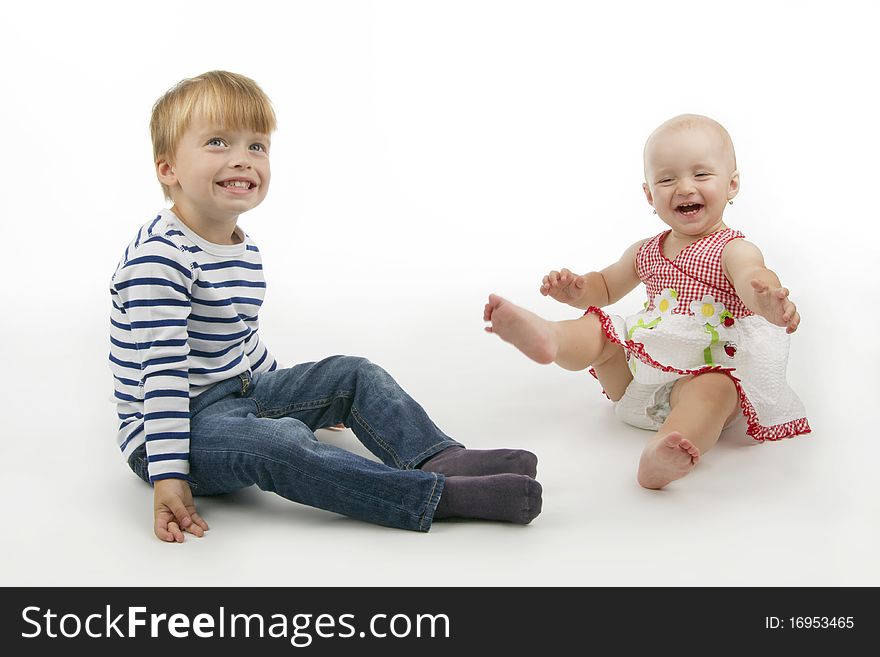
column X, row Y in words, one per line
column 645, row 405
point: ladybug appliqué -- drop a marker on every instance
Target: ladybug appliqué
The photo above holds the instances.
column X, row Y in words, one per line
column 730, row 349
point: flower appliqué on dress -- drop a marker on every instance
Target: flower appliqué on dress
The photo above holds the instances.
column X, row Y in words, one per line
column 664, row 304
column 666, row 301
column 707, row 311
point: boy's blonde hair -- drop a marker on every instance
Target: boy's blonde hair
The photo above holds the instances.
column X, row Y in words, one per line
column 220, row 97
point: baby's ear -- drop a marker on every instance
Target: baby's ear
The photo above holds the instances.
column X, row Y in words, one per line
column 733, row 187
column 648, row 194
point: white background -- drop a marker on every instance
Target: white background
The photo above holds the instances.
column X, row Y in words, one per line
column 428, row 154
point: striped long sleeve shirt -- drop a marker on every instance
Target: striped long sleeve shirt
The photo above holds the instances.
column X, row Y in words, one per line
column 184, row 318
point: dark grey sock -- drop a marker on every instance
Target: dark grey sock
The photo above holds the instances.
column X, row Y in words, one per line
column 458, row 461
column 509, row 497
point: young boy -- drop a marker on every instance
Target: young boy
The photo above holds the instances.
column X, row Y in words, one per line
column 203, row 406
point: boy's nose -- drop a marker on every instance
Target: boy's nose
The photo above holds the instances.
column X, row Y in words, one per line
column 240, row 159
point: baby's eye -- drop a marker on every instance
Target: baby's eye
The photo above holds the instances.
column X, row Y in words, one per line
column 702, row 174
column 215, row 141
column 665, row 181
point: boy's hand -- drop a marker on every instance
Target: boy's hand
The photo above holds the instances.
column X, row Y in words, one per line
column 774, row 305
column 564, row 286
column 173, row 511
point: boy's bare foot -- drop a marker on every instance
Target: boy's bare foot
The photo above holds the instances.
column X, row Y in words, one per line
column 529, row 333
column 667, row 459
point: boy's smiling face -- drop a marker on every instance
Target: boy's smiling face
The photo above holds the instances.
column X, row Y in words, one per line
column 690, row 176
column 216, row 174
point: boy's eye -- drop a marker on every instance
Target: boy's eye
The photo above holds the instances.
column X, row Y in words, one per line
column 216, row 141
column 258, row 147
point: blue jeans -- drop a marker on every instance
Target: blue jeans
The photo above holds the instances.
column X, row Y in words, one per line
column 260, row 430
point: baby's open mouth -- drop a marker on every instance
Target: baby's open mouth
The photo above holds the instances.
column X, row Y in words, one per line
column 689, row 208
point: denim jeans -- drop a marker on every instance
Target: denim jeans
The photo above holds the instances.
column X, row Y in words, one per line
column 260, row 430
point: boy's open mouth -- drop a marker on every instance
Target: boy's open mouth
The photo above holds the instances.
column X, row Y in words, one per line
column 689, row 208
column 236, row 184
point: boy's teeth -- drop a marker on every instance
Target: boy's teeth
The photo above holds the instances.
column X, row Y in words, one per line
column 237, row 183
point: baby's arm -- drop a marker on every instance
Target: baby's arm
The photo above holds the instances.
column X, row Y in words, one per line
column 598, row 288
column 758, row 287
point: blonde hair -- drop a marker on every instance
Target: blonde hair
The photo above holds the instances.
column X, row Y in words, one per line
column 220, row 97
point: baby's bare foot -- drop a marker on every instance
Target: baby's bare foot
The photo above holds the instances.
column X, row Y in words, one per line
column 529, row 333
column 667, row 459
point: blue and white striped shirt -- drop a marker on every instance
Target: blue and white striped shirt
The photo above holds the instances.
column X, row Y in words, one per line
column 184, row 318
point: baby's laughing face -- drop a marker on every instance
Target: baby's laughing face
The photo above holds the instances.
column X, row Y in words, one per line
column 690, row 175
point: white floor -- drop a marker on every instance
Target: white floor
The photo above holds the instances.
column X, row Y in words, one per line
column 803, row 511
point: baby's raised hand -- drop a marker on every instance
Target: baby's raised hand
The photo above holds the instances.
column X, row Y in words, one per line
column 564, row 286
column 774, row 305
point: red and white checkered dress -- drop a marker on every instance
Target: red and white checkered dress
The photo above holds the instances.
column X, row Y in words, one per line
column 694, row 323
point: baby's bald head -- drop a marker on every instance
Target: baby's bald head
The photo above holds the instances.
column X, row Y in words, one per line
column 679, row 126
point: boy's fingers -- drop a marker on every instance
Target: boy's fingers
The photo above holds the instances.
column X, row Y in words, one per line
column 195, row 530
column 161, row 533
column 180, row 513
column 175, row 531
column 167, row 531
column 200, row 521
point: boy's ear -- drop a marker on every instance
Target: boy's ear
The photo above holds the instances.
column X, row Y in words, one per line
column 165, row 172
column 733, row 187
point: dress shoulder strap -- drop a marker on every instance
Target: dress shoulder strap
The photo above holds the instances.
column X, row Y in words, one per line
column 649, row 256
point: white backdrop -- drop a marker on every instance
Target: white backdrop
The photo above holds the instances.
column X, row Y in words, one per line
column 428, row 154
